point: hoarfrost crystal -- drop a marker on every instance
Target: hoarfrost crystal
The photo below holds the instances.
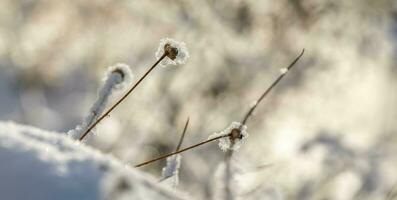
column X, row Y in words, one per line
column 283, row 70
column 180, row 51
column 226, row 143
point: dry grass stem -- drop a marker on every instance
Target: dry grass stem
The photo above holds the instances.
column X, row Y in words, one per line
column 122, row 98
column 183, row 135
column 180, row 151
column 268, row 90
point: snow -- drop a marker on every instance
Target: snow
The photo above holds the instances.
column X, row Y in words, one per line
column 44, row 165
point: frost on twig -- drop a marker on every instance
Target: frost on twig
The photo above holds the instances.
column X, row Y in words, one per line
column 174, row 52
column 283, row 70
column 237, row 132
column 170, row 172
column 177, row 52
column 117, row 77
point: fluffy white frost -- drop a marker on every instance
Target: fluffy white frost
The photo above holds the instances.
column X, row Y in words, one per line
column 170, row 172
column 116, row 78
column 225, row 143
column 181, row 56
column 124, row 75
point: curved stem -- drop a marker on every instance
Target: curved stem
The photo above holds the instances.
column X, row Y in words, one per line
column 268, row 90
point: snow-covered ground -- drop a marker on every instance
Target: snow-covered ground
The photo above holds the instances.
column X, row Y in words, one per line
column 42, row 165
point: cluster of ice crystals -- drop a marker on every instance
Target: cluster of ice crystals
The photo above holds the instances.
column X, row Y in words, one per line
column 182, row 54
column 226, row 143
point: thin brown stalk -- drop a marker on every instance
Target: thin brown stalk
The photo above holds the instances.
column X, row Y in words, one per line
column 180, row 151
column 183, row 135
column 229, row 153
column 269, row 89
column 122, row 98
column 179, row 143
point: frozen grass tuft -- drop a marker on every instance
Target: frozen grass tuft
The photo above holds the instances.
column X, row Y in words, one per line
column 117, row 77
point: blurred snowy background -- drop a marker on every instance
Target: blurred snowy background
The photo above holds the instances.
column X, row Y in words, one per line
column 328, row 131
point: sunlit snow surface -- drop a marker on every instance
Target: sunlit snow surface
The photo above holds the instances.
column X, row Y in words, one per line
column 37, row 164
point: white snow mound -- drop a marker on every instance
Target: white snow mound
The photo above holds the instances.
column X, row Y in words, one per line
column 37, row 164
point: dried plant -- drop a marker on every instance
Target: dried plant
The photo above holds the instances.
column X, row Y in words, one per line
column 232, row 134
column 237, row 133
column 170, row 52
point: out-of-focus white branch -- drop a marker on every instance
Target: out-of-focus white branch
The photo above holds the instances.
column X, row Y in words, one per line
column 116, row 78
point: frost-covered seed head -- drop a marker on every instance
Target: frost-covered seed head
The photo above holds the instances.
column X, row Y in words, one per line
column 175, row 52
column 120, row 72
column 235, row 133
column 125, row 75
column 170, row 51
